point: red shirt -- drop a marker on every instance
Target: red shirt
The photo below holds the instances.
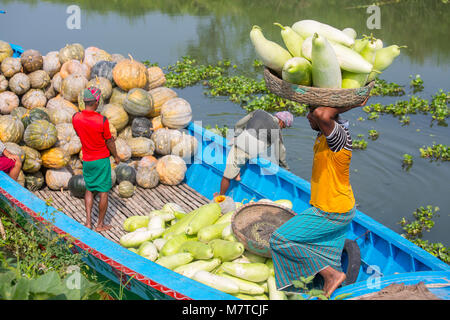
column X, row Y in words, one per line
column 93, row 130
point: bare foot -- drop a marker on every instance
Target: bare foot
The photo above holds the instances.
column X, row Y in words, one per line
column 87, row 225
column 333, row 282
column 103, row 227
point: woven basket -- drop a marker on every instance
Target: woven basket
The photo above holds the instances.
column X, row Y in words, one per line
column 254, row 223
column 317, row 97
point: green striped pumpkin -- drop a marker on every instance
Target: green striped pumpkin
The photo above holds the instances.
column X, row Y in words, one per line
column 126, row 189
column 40, row 135
column 138, row 102
column 11, row 129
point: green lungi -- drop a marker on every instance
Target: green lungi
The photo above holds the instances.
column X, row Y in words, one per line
column 97, row 175
column 307, row 244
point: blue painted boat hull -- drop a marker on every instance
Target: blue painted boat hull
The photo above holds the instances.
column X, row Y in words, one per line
column 383, row 252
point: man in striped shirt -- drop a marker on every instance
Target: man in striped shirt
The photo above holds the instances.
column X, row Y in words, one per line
column 311, row 243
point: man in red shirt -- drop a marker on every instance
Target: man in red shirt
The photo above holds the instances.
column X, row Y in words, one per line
column 97, row 145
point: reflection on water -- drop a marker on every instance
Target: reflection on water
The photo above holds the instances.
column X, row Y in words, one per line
column 209, row 30
column 422, row 25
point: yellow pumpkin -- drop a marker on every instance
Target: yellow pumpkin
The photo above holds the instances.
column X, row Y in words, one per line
column 55, row 158
column 171, row 170
column 156, row 123
column 129, row 74
column 160, row 96
column 116, row 114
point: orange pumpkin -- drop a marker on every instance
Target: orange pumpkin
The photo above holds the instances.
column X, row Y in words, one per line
column 75, row 67
column 129, row 74
column 156, row 123
column 147, row 161
column 55, row 158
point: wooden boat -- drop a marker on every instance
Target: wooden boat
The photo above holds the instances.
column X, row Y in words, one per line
column 384, row 253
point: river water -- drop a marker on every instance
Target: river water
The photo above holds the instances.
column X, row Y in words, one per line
column 164, row 31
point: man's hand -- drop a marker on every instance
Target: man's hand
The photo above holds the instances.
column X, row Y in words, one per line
column 11, row 156
column 117, row 159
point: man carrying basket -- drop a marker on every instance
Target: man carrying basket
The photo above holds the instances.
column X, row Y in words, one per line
column 312, row 242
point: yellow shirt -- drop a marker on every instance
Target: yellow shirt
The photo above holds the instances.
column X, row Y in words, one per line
column 330, row 182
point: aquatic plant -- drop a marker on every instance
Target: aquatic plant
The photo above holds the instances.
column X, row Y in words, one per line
column 437, row 152
column 360, row 143
column 423, row 221
column 407, row 161
column 416, row 83
column 373, row 134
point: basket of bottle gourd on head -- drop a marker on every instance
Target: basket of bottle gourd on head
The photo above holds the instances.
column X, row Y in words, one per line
column 322, row 66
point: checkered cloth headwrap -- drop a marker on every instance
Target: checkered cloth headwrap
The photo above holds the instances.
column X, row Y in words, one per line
column 286, row 117
column 92, row 94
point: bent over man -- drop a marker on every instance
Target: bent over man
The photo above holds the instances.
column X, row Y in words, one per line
column 253, row 134
column 97, row 145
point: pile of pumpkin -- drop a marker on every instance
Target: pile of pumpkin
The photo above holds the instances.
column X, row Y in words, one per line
column 40, row 94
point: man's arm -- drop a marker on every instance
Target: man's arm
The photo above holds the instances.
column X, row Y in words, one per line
column 240, row 125
column 282, row 154
column 112, row 148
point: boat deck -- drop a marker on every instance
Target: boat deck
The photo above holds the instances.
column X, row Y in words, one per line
column 142, row 202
